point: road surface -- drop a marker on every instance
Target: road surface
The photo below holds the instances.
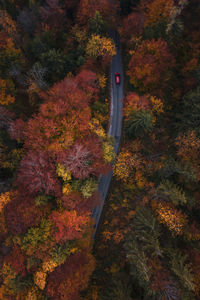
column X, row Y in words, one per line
column 115, row 125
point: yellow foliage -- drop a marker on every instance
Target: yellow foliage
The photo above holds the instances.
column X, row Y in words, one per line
column 32, row 294
column 158, row 106
column 40, row 279
column 108, row 152
column 125, row 164
column 4, row 199
column 102, row 80
column 63, row 172
column 170, row 216
column 100, row 46
column 49, row 266
column 5, row 87
column 66, row 189
column 74, row 250
column 80, row 35
column 96, row 127
column 114, row 268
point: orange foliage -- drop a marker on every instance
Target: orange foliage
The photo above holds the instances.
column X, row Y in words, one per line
column 149, row 66
column 170, row 216
column 5, row 87
column 134, row 102
column 123, row 165
column 188, row 147
column 87, row 9
column 69, row 225
column 156, row 10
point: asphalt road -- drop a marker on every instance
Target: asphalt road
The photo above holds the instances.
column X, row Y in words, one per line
column 115, row 125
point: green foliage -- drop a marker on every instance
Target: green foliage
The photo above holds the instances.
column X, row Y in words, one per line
column 97, row 24
column 36, row 235
column 100, row 107
column 60, row 253
column 20, row 284
column 54, row 61
column 139, row 123
column 40, row 44
column 88, row 187
column 33, row 262
column 171, row 167
column 127, row 5
column 119, row 288
column 147, row 231
column 170, row 191
column 188, row 117
column 181, row 269
column 137, row 260
column 42, row 200
column 155, row 32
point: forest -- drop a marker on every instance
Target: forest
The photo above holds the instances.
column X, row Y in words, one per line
column 55, row 80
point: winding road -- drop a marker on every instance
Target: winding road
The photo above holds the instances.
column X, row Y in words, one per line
column 115, row 125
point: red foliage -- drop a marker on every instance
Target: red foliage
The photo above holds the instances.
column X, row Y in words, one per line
column 83, row 158
column 52, row 14
column 21, row 213
column 70, row 278
column 87, row 9
column 17, row 129
column 68, row 225
column 132, row 26
column 75, row 201
column 5, row 117
column 37, row 174
column 17, row 260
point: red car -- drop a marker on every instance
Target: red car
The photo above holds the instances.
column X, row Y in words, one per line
column 117, row 78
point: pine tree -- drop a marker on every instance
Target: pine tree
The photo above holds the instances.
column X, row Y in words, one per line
column 139, row 123
column 147, row 231
column 171, row 192
column 181, row 269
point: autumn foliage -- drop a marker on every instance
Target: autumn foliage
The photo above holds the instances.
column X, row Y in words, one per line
column 150, row 65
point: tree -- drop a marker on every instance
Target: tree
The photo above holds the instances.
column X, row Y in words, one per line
column 100, row 47
column 171, row 217
column 133, row 102
column 170, row 191
column 97, row 25
column 182, row 269
column 156, row 10
column 147, row 231
column 88, row 8
column 52, row 14
column 83, row 158
column 16, row 259
column 54, row 61
column 124, row 165
column 188, row 117
column 139, row 123
column 22, row 213
column 66, row 281
column 6, row 92
column 149, row 65
column 37, row 174
column 138, row 261
column 69, row 225
column 132, row 26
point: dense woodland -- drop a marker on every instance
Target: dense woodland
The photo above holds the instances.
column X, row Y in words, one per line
column 54, row 113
